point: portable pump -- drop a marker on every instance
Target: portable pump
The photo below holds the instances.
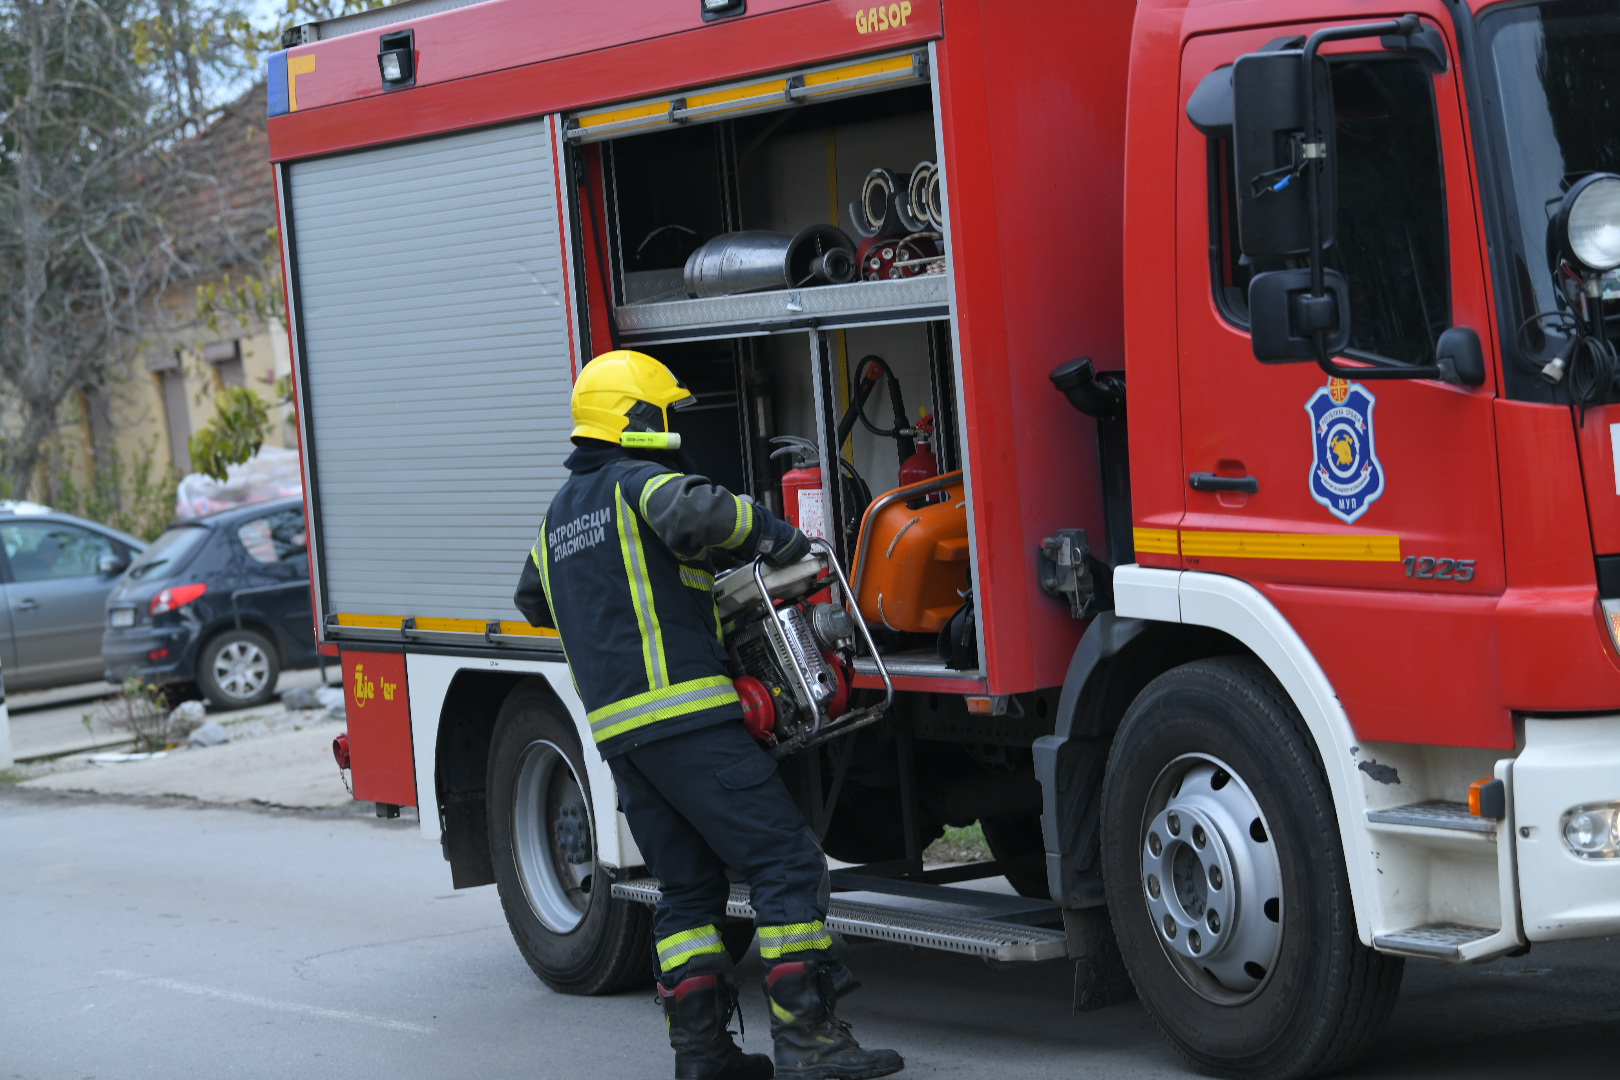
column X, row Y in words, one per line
column 793, row 658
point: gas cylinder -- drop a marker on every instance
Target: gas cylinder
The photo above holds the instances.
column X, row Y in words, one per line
column 921, row 465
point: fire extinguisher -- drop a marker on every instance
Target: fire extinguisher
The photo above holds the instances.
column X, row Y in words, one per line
column 802, row 502
column 922, row 464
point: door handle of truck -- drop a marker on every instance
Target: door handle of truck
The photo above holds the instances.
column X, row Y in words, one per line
column 26, row 605
column 1208, row 481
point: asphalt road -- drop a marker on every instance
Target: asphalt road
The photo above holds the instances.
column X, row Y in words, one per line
column 152, row 939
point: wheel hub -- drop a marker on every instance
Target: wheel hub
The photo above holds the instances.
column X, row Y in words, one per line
column 241, row 669
column 1212, row 881
column 572, row 835
column 551, row 837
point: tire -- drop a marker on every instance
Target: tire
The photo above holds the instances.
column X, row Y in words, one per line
column 575, row 936
column 238, row 669
column 1216, row 813
column 1018, row 836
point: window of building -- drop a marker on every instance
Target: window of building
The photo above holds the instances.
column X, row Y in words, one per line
column 171, row 384
column 226, row 357
column 1391, row 244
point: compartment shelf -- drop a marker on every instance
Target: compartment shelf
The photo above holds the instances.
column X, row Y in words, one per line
column 914, row 299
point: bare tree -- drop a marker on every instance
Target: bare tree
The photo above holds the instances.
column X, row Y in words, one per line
column 105, row 196
column 130, row 161
column 81, row 236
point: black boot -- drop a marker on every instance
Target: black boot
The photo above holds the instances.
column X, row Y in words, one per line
column 811, row 1042
column 697, row 1009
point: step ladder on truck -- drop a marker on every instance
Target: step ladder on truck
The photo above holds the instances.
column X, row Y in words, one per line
column 1234, row 535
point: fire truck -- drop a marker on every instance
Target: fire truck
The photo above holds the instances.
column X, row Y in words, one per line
column 1212, row 405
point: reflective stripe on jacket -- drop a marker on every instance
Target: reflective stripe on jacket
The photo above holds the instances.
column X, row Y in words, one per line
column 622, row 569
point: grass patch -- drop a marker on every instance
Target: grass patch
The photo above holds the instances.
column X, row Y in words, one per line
column 959, row 845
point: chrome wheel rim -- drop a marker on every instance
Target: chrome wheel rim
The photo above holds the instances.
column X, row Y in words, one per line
column 552, row 838
column 241, row 669
column 1211, row 879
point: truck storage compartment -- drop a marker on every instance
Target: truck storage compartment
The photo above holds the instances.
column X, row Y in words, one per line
column 774, row 204
column 435, row 360
column 781, row 244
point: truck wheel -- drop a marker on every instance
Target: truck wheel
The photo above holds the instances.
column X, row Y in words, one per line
column 238, row 669
column 1226, row 883
column 1018, row 837
column 570, row 929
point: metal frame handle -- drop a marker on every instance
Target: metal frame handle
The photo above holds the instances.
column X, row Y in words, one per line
column 848, row 596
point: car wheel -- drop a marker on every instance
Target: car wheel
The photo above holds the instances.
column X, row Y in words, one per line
column 238, row 669
column 575, row 936
column 1226, row 880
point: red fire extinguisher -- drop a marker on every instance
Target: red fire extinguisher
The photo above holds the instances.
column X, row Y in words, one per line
column 922, row 464
column 802, row 501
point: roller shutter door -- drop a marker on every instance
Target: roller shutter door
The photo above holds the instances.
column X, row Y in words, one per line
column 435, row 345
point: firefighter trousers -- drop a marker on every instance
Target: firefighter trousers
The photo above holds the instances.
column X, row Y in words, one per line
column 704, row 800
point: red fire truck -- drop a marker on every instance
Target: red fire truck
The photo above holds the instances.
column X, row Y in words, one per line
column 1237, row 518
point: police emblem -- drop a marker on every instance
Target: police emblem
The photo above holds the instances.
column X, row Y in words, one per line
column 1346, row 476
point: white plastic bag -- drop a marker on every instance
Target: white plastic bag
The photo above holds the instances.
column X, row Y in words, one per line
column 268, row 474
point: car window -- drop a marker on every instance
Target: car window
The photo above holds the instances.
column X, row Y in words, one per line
column 43, row 550
column 276, row 538
column 168, row 552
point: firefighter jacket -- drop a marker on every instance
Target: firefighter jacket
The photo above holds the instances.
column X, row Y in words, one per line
column 623, row 570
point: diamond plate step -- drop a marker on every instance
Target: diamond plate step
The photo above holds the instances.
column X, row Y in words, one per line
column 973, row 937
column 1451, row 816
column 1437, row 941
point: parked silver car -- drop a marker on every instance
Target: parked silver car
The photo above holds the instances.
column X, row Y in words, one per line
column 55, row 573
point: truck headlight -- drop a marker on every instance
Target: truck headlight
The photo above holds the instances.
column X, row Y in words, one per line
column 1593, row 831
column 1588, row 222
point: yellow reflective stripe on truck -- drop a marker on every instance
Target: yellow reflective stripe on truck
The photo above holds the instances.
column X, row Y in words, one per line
column 442, row 626
column 1320, row 547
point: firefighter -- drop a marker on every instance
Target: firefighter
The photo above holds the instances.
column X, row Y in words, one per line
column 624, row 570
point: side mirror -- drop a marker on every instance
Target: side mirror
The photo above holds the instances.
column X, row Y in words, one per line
column 1460, row 357
column 1272, row 147
column 1284, row 316
column 113, row 564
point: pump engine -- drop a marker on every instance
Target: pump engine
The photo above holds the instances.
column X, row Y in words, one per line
column 793, row 659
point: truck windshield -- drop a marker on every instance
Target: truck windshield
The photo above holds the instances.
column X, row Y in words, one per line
column 1557, row 103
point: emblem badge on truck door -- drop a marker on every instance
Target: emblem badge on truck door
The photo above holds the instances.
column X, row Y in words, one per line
column 1346, row 476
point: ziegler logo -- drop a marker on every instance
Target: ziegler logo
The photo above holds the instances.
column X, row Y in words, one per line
column 876, row 19
column 366, row 689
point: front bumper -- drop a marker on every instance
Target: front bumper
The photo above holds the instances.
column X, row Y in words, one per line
column 127, row 653
column 1565, row 763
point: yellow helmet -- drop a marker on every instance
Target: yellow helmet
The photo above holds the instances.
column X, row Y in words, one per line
column 624, row 397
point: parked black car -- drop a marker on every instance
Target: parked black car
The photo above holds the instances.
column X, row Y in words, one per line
column 220, row 603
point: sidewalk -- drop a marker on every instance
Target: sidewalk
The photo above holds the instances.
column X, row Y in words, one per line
column 290, row 768
column 49, row 723
column 276, row 757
